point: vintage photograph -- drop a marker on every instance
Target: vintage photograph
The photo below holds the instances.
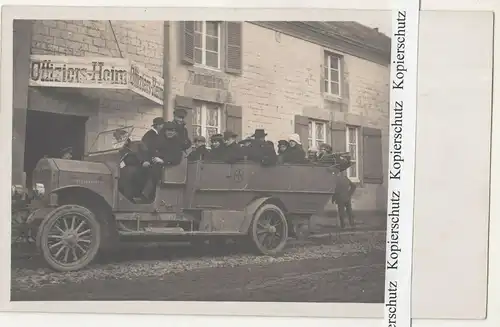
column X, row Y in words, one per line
column 200, row 160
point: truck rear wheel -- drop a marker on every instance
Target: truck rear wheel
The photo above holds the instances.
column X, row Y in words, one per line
column 269, row 230
column 69, row 238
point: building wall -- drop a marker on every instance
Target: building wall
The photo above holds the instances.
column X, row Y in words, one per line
column 281, row 78
column 140, row 41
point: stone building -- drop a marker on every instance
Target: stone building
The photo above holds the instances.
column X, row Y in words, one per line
column 329, row 82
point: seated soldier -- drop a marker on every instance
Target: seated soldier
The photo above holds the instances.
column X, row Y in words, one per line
column 261, row 150
column 200, row 150
column 171, row 145
column 168, row 152
column 245, row 145
column 216, row 148
column 133, row 174
column 232, row 151
column 325, row 154
column 312, row 155
column 282, row 146
column 294, row 154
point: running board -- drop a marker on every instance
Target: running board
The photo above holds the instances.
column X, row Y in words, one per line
column 153, row 234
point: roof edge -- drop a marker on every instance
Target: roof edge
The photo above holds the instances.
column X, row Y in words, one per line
column 334, row 42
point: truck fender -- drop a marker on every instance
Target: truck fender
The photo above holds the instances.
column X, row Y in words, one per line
column 250, row 210
column 39, row 214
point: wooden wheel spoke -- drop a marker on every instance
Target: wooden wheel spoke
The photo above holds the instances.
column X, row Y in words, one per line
column 83, row 233
column 81, row 248
column 73, row 252
column 57, row 237
column 65, row 223
column 59, row 229
column 59, row 251
column 66, row 254
column 56, row 244
column 84, row 240
column 73, row 219
column 79, row 226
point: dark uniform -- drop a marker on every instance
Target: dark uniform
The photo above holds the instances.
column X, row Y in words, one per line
column 150, row 139
column 343, row 194
column 245, row 146
column 182, row 132
column 216, row 152
column 133, row 176
column 295, row 155
column 232, row 151
column 171, row 147
column 282, row 146
column 262, row 151
column 200, row 151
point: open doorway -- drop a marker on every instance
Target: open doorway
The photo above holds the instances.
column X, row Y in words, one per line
column 48, row 133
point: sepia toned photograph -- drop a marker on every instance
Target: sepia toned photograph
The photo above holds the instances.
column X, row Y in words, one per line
column 205, row 161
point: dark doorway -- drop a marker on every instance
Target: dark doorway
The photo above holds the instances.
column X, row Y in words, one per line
column 48, row 133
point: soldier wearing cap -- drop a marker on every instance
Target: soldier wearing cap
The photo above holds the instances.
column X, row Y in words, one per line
column 325, row 154
column 282, row 146
column 66, row 153
column 245, row 146
column 182, row 132
column 232, row 151
column 151, row 138
column 200, row 150
column 216, row 147
column 262, row 150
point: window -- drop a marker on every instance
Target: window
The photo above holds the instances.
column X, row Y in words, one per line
column 207, row 44
column 317, row 133
column 352, row 146
column 206, row 119
column 332, row 74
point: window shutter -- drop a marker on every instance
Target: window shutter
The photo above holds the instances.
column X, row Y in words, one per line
column 187, row 42
column 337, row 136
column 373, row 170
column 322, row 72
column 234, row 47
column 302, row 128
column 186, row 103
column 234, row 119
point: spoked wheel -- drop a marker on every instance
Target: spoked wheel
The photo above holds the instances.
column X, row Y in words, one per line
column 269, row 230
column 69, row 238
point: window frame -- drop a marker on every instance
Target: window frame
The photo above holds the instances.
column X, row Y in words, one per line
column 203, row 123
column 312, row 123
column 328, row 89
column 204, row 46
column 357, row 130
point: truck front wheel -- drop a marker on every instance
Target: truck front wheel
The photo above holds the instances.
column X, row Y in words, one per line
column 69, row 238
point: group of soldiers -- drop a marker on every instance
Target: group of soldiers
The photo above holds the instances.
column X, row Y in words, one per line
column 166, row 143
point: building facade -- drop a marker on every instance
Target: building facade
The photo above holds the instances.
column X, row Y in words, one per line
column 328, row 82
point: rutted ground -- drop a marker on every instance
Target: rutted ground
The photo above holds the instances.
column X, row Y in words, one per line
column 306, row 272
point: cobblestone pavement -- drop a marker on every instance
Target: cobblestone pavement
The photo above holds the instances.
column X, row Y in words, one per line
column 345, row 267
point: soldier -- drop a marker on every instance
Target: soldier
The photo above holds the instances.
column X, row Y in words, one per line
column 150, row 139
column 66, row 153
column 325, row 154
column 171, row 146
column 344, row 190
column 133, row 172
column 232, row 151
column 182, row 132
column 312, row 155
column 216, row 147
column 262, row 150
column 282, row 146
column 295, row 153
column 200, row 150
column 245, row 146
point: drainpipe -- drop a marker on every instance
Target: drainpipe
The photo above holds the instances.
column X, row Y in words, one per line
column 167, row 69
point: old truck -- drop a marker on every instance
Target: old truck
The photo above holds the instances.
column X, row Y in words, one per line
column 78, row 209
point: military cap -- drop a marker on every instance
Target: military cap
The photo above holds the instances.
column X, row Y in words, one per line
column 282, row 142
column 216, row 137
column 325, row 146
column 200, row 138
column 170, row 126
column 229, row 134
column 158, row 121
column 180, row 112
